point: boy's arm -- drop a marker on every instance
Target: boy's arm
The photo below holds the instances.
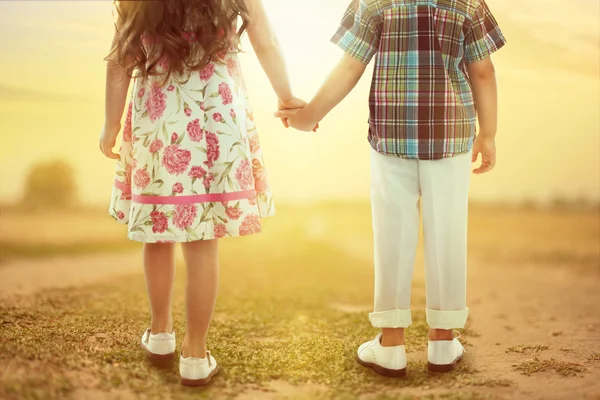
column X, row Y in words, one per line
column 117, row 86
column 483, row 38
column 482, row 75
column 338, row 85
column 359, row 35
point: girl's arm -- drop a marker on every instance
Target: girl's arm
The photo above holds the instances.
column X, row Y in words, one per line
column 117, row 86
column 338, row 85
column 267, row 49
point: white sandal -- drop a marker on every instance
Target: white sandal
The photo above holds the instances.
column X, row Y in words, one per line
column 159, row 347
column 196, row 371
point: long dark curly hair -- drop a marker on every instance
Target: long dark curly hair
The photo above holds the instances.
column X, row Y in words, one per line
column 172, row 36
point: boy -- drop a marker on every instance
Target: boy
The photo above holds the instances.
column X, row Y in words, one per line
column 433, row 76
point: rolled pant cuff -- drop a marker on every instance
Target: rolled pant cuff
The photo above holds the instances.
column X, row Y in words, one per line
column 447, row 319
column 391, row 319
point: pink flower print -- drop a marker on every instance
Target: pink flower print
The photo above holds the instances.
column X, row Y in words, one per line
column 208, row 179
column 244, row 175
column 212, row 149
column 197, row 172
column 177, row 188
column 258, row 171
column 170, row 88
column 252, row 201
column 164, row 63
column 160, row 221
column 232, row 113
column 141, row 92
column 121, row 215
column 141, row 178
column 188, row 111
column 202, row 106
column 176, row 160
column 189, row 37
column 254, row 143
column 222, row 54
column 128, row 172
column 233, row 213
column 194, row 131
column 250, row 225
column 232, row 67
column 220, row 231
column 217, row 117
column 184, row 215
column 174, row 137
column 156, row 103
column 129, row 167
column 148, row 40
column 155, row 146
column 207, row 72
column 127, row 128
column 225, row 92
column 145, row 39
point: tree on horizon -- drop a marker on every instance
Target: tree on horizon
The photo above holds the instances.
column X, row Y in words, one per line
column 50, row 184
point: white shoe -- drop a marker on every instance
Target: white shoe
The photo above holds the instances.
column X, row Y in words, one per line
column 444, row 355
column 160, row 346
column 197, row 371
column 386, row 361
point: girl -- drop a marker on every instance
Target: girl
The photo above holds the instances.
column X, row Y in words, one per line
column 190, row 168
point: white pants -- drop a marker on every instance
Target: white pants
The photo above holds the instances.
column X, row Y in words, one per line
column 396, row 186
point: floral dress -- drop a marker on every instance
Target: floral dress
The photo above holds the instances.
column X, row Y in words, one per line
column 191, row 165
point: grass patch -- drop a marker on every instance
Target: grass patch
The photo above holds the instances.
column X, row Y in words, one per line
column 594, row 357
column 40, row 387
column 454, row 395
column 464, row 396
column 16, row 251
column 562, row 368
column 261, row 332
column 523, row 348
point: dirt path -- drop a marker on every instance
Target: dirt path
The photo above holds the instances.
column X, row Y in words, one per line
column 553, row 308
column 525, row 316
column 27, row 276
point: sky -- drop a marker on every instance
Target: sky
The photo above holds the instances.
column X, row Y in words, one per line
column 52, row 88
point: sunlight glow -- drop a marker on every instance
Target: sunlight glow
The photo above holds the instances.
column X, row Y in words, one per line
column 52, row 85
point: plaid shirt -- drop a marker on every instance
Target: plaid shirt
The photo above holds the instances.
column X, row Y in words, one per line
column 421, row 100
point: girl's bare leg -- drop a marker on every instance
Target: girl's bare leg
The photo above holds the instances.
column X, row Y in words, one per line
column 159, row 268
column 202, row 260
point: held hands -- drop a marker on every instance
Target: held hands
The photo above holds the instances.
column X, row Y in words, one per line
column 108, row 139
column 291, row 114
column 293, row 104
column 486, row 146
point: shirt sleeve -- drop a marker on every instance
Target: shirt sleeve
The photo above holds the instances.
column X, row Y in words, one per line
column 359, row 32
column 484, row 36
